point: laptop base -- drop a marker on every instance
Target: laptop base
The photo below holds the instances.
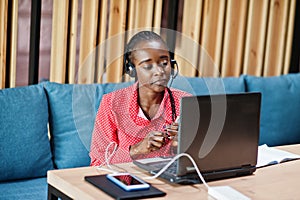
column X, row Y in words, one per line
column 193, row 178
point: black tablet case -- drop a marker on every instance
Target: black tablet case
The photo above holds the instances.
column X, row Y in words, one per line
column 101, row 182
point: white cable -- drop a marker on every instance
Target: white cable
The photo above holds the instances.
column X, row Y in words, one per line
column 173, row 160
column 107, row 170
column 108, row 156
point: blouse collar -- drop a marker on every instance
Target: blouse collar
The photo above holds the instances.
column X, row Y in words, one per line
column 134, row 108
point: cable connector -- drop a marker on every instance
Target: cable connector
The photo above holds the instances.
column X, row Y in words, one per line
column 226, row 193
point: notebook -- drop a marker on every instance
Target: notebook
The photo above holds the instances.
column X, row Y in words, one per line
column 101, row 182
column 220, row 133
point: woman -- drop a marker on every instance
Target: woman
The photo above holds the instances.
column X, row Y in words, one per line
column 136, row 118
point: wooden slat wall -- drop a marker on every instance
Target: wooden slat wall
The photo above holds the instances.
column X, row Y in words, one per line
column 13, row 44
column 234, row 32
column 73, row 42
column 59, row 40
column 211, row 37
column 289, row 38
column 157, row 13
column 255, row 37
column 244, row 37
column 105, row 56
column 88, row 36
column 101, row 38
column 3, row 36
column 276, row 35
column 236, row 37
column 116, row 29
column 187, row 53
column 137, row 9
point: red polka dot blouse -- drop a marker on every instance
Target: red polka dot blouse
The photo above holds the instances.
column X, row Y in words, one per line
column 119, row 121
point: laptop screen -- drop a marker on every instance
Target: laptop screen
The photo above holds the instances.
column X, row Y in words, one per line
column 220, row 132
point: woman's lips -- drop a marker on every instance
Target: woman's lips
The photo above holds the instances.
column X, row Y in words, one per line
column 160, row 82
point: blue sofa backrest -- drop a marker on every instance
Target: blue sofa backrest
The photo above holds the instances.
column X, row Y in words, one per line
column 70, row 110
column 24, row 143
column 280, row 116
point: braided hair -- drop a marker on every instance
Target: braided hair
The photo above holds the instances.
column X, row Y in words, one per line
column 142, row 37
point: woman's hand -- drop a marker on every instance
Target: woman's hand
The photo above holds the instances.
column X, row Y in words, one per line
column 172, row 132
column 152, row 142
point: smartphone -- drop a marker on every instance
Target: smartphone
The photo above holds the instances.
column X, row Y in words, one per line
column 128, row 182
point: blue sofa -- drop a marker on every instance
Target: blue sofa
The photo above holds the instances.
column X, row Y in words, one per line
column 67, row 111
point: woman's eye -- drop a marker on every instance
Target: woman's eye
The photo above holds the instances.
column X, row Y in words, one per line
column 148, row 66
column 164, row 63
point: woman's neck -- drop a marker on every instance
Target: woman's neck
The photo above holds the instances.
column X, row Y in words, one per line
column 149, row 102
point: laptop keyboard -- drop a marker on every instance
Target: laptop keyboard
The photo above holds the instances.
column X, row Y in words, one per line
column 171, row 169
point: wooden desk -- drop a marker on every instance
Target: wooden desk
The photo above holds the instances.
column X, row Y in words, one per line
column 279, row 181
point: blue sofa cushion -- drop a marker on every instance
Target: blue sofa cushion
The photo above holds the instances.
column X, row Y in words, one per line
column 24, row 142
column 73, row 109
column 280, row 116
column 33, row 189
column 209, row 85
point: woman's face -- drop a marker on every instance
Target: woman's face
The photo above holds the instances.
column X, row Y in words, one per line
column 152, row 62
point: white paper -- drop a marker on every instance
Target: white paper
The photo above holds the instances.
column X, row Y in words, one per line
column 269, row 155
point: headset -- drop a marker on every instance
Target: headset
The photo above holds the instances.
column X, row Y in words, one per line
column 131, row 71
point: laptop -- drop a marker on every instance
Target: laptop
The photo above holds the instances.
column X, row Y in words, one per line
column 221, row 134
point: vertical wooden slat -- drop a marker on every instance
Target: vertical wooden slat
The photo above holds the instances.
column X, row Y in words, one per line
column 144, row 13
column 289, row 39
column 115, row 48
column 72, row 41
column 211, row 39
column 101, row 38
column 187, row 53
column 13, row 45
column 255, row 37
column 140, row 16
column 131, row 9
column 131, row 14
column 233, row 47
column 276, row 34
column 157, row 14
column 88, row 36
column 3, row 36
column 131, row 21
column 59, row 41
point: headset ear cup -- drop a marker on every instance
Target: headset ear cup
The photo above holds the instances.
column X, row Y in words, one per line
column 129, row 67
column 130, row 70
column 127, row 64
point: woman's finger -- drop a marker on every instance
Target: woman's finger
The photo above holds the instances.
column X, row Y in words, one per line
column 156, row 144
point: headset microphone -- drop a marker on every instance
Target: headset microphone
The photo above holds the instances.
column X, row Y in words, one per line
column 174, row 72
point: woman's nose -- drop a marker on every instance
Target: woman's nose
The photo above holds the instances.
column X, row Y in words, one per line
column 159, row 69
